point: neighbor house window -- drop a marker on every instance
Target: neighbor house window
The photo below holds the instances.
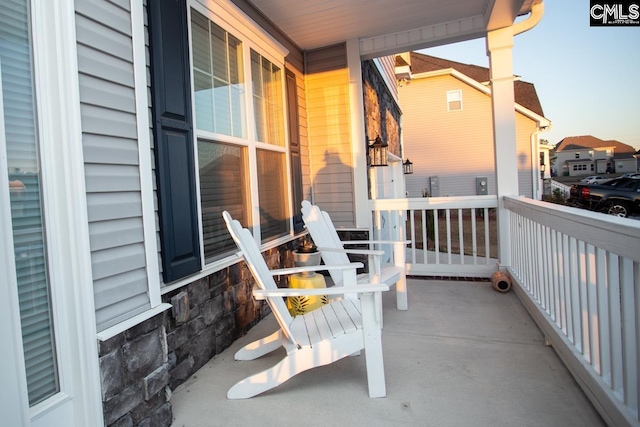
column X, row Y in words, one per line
column 241, row 148
column 454, row 100
column 577, row 155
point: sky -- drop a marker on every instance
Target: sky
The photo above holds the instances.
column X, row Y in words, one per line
column 587, row 78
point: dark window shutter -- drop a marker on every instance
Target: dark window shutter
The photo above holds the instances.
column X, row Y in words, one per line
column 294, row 145
column 173, row 135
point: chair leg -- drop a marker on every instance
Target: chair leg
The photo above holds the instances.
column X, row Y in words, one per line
column 260, row 347
column 297, row 361
column 401, row 285
column 373, row 347
column 401, row 293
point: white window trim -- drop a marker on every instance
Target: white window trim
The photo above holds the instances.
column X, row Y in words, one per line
column 228, row 17
column 144, row 153
column 449, row 100
column 69, row 262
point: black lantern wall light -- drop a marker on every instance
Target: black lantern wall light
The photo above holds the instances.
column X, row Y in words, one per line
column 408, row 167
column 378, row 151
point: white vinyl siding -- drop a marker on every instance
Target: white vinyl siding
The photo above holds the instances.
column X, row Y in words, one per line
column 110, row 142
column 454, row 100
column 304, row 135
column 330, row 133
column 387, row 67
column 459, row 147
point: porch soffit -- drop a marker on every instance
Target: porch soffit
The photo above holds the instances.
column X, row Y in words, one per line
column 386, row 27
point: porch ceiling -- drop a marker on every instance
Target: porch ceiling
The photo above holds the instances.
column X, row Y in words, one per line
column 412, row 24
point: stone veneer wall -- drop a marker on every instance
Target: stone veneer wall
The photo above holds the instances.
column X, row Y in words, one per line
column 382, row 113
column 141, row 366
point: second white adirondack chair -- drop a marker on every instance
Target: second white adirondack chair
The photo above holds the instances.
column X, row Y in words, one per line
column 326, row 238
column 320, row 337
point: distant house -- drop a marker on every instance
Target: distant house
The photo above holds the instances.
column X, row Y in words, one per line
column 588, row 155
column 446, row 132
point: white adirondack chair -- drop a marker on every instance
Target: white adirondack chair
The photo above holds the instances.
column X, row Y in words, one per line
column 336, row 330
column 326, row 238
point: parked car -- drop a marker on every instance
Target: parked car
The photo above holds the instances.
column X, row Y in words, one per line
column 619, row 197
column 594, row 179
column 633, row 175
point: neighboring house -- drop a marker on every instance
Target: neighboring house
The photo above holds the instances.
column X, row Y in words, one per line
column 588, row 155
column 447, row 136
column 127, row 127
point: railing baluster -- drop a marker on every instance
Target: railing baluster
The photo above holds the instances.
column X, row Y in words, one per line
column 604, row 339
column 474, row 243
column 575, row 295
column 592, row 307
column 436, row 231
column 448, row 223
column 412, row 228
column 487, row 250
column 629, row 298
column 460, row 236
column 568, row 286
column 582, row 292
column 615, row 321
column 425, row 234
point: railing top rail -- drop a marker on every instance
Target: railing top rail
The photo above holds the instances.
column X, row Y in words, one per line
column 618, row 235
column 465, row 202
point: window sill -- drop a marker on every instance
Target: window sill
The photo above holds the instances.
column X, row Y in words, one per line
column 130, row 323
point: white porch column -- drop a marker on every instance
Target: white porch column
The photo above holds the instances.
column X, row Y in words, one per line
column 499, row 47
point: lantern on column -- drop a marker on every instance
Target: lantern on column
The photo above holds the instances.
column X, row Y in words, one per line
column 408, row 167
column 378, row 151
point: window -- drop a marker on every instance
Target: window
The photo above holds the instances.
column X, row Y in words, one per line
column 218, row 78
column 19, row 147
column 241, row 144
column 577, row 156
column 454, row 100
column 267, row 100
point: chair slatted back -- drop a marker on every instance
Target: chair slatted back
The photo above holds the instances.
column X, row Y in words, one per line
column 258, row 266
column 324, row 235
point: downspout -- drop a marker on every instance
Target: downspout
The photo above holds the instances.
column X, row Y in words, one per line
column 536, row 179
column 537, row 10
column 535, row 165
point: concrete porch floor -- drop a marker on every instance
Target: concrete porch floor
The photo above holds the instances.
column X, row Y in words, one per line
column 463, row 355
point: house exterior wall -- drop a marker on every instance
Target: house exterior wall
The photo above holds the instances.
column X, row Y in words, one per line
column 387, row 68
column 455, row 146
column 329, row 131
column 583, row 162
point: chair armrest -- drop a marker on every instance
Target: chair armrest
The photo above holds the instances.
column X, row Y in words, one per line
column 260, row 294
column 366, row 242
column 353, row 251
column 310, row 268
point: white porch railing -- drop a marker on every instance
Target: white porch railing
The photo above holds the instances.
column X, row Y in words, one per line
column 558, row 187
column 451, row 236
column 578, row 274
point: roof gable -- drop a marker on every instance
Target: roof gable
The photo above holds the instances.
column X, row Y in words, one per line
column 588, row 141
column 525, row 93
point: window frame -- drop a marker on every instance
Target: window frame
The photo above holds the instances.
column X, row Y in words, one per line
column 252, row 38
column 450, row 99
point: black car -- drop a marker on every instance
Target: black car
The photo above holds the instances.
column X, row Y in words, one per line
column 619, row 197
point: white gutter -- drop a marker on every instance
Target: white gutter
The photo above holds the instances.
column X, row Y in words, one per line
column 537, row 10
